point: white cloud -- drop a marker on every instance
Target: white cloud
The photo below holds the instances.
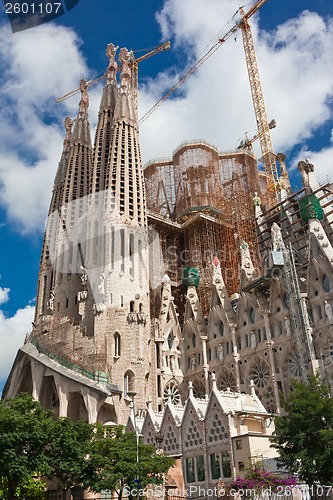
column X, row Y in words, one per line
column 37, row 66
column 12, row 334
column 322, row 160
column 4, row 297
column 296, row 71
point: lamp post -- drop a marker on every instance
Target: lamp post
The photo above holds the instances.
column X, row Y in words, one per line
column 132, row 395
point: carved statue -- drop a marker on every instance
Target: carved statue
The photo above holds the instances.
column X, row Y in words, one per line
column 193, row 362
column 84, row 102
column 256, row 200
column 253, row 340
column 113, row 66
column 287, row 325
column 277, row 240
column 84, row 275
column 328, row 311
column 305, row 167
column 68, row 127
column 50, row 303
column 101, row 287
column 246, row 261
column 220, row 352
column 172, row 362
column 125, row 75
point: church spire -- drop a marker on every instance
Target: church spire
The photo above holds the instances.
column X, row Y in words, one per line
column 105, row 122
column 76, row 180
column 81, row 132
column 71, row 188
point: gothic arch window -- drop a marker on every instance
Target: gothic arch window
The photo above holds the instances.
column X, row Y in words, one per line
column 260, row 374
column 194, row 340
column 199, row 390
column 129, row 382
column 326, row 283
column 252, row 315
column 171, row 390
column 131, row 253
column 132, row 306
column 117, row 344
column 95, row 243
column 122, row 250
column 170, row 339
column 227, row 380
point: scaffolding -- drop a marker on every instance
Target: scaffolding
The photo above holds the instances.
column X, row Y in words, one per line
column 204, row 200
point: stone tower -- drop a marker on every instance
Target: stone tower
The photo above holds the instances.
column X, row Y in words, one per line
column 93, row 313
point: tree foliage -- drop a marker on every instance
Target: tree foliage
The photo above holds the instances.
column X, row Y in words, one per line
column 24, row 436
column 304, row 437
column 33, row 445
column 68, row 450
column 120, row 460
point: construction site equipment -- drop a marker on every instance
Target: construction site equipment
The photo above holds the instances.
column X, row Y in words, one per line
column 133, row 65
column 201, row 201
column 268, row 156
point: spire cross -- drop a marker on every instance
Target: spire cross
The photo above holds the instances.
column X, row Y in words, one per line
column 84, row 102
column 111, row 73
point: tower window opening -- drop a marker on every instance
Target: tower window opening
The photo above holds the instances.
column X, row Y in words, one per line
column 129, row 382
column 131, row 253
column 122, row 249
column 117, row 345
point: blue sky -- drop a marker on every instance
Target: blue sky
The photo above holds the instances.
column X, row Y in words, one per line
column 294, row 41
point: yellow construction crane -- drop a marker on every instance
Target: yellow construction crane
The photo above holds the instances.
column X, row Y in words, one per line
column 134, row 69
column 268, row 156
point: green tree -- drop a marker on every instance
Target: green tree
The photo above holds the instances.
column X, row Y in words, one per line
column 25, row 428
column 69, row 448
column 304, row 437
column 119, row 460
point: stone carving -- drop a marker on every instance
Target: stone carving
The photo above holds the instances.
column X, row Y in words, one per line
column 220, row 352
column 246, row 261
column 101, row 287
column 125, row 75
column 253, row 340
column 277, row 240
column 287, row 325
column 82, row 296
column 256, row 200
column 305, row 167
column 328, row 311
column 50, row 303
column 113, row 66
column 84, row 102
column 84, row 276
column 68, row 127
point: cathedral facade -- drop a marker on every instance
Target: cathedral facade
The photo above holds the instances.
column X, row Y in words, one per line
column 153, row 278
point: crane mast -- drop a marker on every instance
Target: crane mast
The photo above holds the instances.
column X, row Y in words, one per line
column 268, row 156
column 134, row 69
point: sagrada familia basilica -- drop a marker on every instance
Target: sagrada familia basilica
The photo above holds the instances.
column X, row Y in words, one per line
column 189, row 286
